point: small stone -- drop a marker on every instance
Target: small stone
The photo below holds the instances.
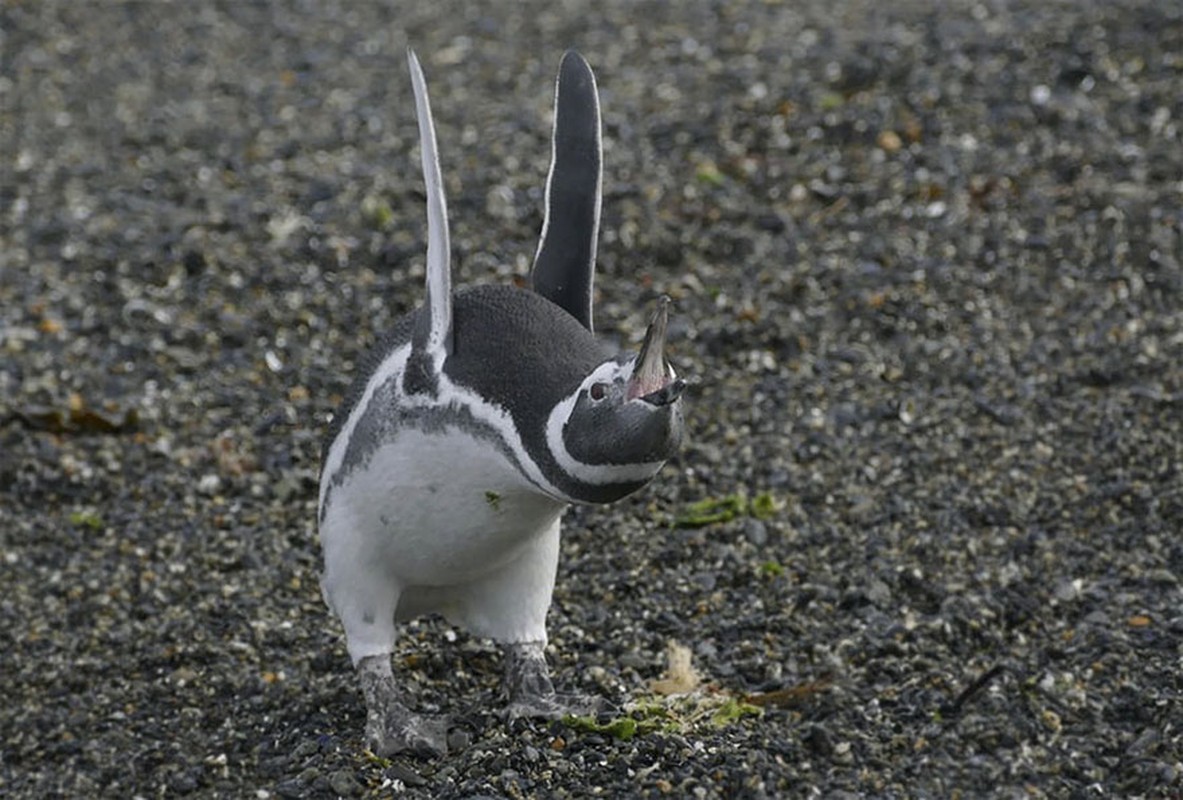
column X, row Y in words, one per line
column 306, row 748
column 290, row 789
column 778, row 479
column 1068, row 590
column 458, row 739
column 343, row 783
column 183, row 782
column 879, row 593
column 755, row 531
column 818, row 740
column 843, row 753
column 1142, row 745
column 634, row 660
column 889, row 141
column 907, row 412
column 407, row 775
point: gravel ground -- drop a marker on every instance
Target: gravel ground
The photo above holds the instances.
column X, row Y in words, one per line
column 927, row 270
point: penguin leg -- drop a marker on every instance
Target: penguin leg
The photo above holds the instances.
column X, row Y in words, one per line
column 510, row 606
column 391, row 727
column 509, row 603
column 531, row 692
column 357, row 586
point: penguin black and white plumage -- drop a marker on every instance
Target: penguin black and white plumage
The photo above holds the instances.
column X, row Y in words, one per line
column 471, row 427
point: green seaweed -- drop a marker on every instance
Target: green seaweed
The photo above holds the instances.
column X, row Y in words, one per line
column 713, row 510
column 772, row 569
column 732, row 711
column 377, row 760
column 88, row 519
column 764, row 506
column 622, row 728
column 377, row 212
column 680, row 714
column 831, row 101
column 710, row 175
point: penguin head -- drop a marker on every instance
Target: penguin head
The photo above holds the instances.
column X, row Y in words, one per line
column 625, row 419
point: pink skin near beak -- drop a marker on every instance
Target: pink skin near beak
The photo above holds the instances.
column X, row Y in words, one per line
column 653, row 379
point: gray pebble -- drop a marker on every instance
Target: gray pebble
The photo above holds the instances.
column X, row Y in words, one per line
column 343, row 783
column 755, row 531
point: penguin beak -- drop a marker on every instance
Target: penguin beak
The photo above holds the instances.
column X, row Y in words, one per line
column 653, row 380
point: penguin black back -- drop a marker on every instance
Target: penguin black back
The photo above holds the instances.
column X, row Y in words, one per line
column 519, row 350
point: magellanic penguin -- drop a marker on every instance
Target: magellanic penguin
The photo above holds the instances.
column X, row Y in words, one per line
column 471, row 427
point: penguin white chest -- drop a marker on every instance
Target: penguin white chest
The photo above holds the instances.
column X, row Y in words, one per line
column 437, row 509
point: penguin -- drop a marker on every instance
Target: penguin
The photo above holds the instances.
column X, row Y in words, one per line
column 470, row 428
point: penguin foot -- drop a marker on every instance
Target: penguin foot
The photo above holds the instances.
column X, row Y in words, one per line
column 531, row 692
column 391, row 727
column 554, row 706
column 403, row 731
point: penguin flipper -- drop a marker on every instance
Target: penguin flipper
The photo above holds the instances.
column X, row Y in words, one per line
column 564, row 265
column 432, row 335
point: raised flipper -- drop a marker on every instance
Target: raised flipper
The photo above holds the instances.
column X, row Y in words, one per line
column 431, row 340
column 564, row 266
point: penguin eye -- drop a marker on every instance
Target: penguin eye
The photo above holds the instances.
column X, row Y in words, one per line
column 598, row 391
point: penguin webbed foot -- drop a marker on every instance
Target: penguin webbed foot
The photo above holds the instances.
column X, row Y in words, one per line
column 402, row 731
column 555, row 706
column 532, row 694
column 391, row 727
